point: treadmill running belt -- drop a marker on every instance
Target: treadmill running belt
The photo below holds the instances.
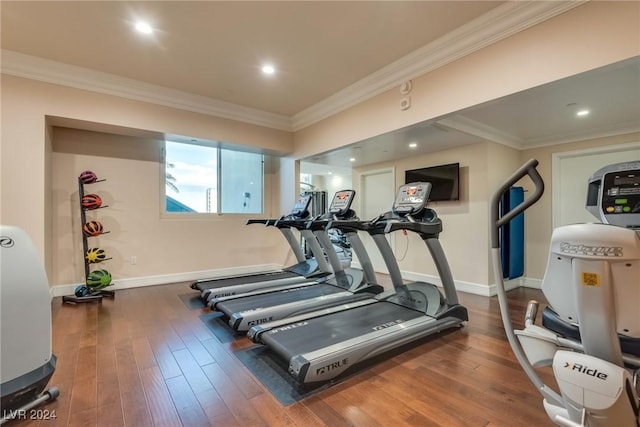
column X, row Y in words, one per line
column 276, row 298
column 232, row 281
column 320, row 332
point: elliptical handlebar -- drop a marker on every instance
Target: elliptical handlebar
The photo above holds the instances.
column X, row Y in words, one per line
column 529, row 168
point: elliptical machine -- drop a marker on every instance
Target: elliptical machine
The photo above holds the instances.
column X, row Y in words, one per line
column 26, row 361
column 590, row 333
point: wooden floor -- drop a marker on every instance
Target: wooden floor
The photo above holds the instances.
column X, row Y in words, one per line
column 146, row 359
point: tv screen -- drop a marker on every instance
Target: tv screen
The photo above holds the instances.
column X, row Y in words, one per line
column 444, row 180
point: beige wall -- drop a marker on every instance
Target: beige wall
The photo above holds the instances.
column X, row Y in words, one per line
column 539, row 218
column 587, row 37
column 465, row 238
column 26, row 155
column 465, row 222
column 132, row 191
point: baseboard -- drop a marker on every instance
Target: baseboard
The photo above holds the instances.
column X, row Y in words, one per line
column 532, row 283
column 470, row 287
column 137, row 282
column 462, row 286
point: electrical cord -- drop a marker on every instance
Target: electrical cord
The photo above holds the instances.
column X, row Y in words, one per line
column 406, row 248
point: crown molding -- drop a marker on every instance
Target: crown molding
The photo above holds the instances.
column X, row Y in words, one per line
column 45, row 70
column 502, row 22
column 474, row 128
column 582, row 135
column 495, row 25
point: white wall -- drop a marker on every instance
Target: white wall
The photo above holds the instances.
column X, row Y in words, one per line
column 538, row 222
column 26, row 154
column 465, row 222
column 592, row 35
column 163, row 246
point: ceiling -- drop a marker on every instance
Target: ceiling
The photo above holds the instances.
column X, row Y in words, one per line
column 216, row 48
column 208, row 54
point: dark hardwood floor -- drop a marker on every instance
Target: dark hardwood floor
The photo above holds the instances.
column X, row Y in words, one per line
column 147, row 359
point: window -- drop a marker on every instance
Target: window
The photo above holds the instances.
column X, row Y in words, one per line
column 205, row 179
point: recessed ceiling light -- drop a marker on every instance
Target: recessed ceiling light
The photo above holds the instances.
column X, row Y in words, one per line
column 268, row 69
column 143, row 27
column 353, row 159
column 329, row 173
column 582, row 113
column 413, row 145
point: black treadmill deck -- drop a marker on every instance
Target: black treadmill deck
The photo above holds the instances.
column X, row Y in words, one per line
column 242, row 280
column 276, row 298
column 320, row 332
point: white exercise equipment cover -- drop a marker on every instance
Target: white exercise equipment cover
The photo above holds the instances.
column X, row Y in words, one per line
column 618, row 248
column 25, row 306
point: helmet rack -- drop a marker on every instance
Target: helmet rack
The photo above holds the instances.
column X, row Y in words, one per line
column 92, row 295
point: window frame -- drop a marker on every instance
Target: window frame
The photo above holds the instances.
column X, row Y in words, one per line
column 164, row 214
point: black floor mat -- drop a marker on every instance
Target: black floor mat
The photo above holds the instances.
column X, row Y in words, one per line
column 192, row 300
column 218, row 326
column 271, row 372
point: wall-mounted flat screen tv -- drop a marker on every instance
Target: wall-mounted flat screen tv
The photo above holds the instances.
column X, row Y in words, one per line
column 444, row 180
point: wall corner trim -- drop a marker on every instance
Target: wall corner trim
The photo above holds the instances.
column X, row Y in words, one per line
column 165, row 279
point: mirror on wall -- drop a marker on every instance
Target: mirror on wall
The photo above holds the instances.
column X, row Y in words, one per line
column 598, row 103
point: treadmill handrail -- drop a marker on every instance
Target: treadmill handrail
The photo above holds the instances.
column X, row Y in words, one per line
column 293, row 243
column 349, row 225
column 266, row 222
column 425, row 229
column 300, row 224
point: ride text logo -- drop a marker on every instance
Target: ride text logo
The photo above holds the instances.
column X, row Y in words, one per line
column 586, row 370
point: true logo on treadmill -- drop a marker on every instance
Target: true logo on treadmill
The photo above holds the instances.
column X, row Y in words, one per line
column 288, row 327
column 332, row 366
column 260, row 321
column 387, row 325
column 226, row 294
column 408, row 298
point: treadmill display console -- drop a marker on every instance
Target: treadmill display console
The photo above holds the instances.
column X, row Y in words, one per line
column 302, row 204
column 412, row 198
column 621, row 192
column 341, row 202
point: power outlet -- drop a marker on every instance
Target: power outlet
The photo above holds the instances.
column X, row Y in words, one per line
column 133, row 260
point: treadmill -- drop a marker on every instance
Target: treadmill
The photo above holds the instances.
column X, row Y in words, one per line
column 320, row 346
column 304, row 270
column 344, row 286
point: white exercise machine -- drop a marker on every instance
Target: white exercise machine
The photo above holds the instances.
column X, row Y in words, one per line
column 590, row 333
column 26, row 360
